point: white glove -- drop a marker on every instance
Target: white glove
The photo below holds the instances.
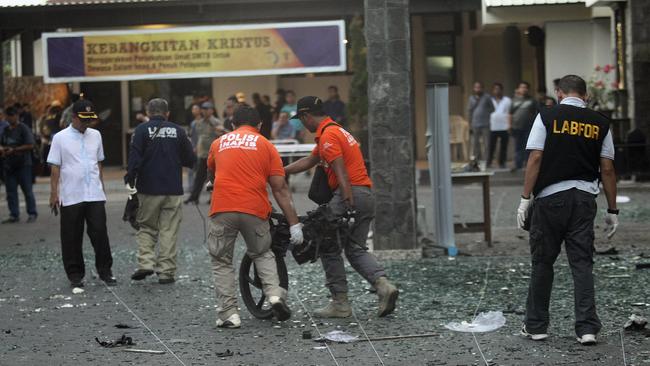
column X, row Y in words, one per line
column 611, row 224
column 296, row 234
column 130, row 190
column 522, row 211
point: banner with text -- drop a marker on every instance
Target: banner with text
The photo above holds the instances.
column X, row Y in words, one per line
column 190, row 52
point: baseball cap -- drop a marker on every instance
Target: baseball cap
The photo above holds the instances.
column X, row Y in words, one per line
column 207, row 105
column 309, row 104
column 84, row 109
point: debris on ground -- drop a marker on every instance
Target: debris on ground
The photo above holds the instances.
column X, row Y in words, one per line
column 642, row 265
column 152, row 351
column 124, row 326
column 78, row 290
column 227, row 353
column 306, row 334
column 122, row 341
column 635, row 322
column 610, row 251
column 337, row 336
column 483, row 322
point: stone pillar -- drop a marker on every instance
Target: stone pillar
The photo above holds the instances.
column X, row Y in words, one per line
column 390, row 122
column 639, row 63
column 511, row 58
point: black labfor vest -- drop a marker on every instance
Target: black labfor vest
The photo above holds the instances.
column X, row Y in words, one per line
column 572, row 147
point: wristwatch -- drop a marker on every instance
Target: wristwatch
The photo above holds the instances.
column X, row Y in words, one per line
column 612, row 211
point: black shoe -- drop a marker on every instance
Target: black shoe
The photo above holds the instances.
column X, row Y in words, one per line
column 76, row 283
column 108, row 280
column 190, row 200
column 280, row 309
column 141, row 274
column 10, row 220
column 31, row 218
column 166, row 281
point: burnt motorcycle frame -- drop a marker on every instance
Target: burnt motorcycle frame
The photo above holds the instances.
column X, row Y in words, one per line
column 322, row 231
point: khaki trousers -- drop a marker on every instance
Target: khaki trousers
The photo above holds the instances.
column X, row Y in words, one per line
column 159, row 218
column 221, row 243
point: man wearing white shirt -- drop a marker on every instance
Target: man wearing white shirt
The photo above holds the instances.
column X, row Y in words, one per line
column 571, row 150
column 77, row 187
column 499, row 125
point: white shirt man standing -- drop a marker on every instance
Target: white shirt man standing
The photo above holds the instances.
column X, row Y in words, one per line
column 499, row 125
column 77, row 187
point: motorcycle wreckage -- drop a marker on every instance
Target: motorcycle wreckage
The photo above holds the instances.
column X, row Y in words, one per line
column 323, row 232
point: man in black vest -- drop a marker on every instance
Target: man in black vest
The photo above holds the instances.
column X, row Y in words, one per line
column 571, row 150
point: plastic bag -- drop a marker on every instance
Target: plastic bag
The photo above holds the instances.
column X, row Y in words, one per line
column 338, row 337
column 484, row 322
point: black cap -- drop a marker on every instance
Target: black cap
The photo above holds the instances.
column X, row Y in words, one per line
column 309, row 104
column 84, row 109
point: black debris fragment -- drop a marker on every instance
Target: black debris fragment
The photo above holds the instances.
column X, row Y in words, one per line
column 227, row 353
column 609, row 251
column 8, row 331
column 306, row 334
column 635, row 322
column 642, row 265
column 122, row 341
column 123, row 326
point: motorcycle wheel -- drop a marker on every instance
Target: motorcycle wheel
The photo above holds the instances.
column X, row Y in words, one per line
column 250, row 286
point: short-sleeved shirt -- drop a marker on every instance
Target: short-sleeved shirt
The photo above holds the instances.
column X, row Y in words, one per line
column 291, row 110
column 206, row 132
column 499, row 118
column 537, row 139
column 14, row 137
column 335, row 142
column 78, row 155
column 242, row 162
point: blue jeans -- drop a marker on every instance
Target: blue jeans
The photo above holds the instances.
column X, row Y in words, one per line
column 13, row 178
column 521, row 154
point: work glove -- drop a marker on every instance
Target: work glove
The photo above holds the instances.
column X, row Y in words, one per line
column 130, row 190
column 296, row 234
column 611, row 224
column 522, row 211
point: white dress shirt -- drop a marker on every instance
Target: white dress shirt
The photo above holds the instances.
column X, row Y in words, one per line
column 536, row 141
column 78, row 155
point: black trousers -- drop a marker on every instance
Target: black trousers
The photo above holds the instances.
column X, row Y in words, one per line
column 503, row 137
column 72, row 232
column 200, row 177
column 568, row 217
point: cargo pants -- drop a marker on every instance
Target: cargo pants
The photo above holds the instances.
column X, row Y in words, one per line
column 568, row 217
column 221, row 243
column 159, row 218
column 355, row 246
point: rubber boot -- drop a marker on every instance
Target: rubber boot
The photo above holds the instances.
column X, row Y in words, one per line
column 387, row 296
column 339, row 307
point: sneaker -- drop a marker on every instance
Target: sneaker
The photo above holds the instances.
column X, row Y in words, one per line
column 232, row 322
column 109, row 280
column 166, row 280
column 587, row 339
column 280, row 309
column 10, row 220
column 31, row 218
column 141, row 274
column 535, row 337
column 76, row 283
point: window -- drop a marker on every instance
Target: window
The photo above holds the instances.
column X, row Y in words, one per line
column 440, row 53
